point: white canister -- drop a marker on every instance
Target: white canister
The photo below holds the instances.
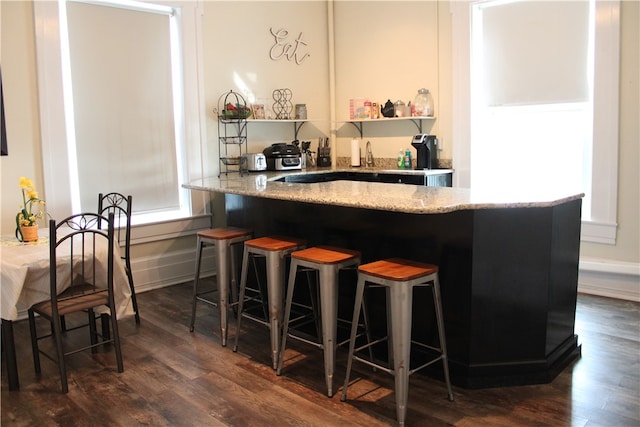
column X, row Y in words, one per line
column 355, row 152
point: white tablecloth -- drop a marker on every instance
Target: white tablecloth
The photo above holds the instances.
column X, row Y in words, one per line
column 24, row 276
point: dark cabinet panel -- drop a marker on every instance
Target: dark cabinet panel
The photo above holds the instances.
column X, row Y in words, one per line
column 438, row 180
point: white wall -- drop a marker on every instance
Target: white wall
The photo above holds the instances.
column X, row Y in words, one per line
column 237, row 43
column 383, row 50
column 21, row 111
column 388, row 51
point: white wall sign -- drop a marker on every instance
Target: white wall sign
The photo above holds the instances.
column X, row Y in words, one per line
column 284, row 48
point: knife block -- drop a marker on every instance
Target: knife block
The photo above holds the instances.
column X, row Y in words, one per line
column 324, row 161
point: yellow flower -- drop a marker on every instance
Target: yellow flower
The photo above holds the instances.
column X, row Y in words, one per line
column 32, row 194
column 25, row 182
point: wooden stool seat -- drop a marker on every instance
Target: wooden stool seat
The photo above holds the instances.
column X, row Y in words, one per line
column 398, row 269
column 224, row 233
column 325, row 255
column 222, row 238
column 275, row 243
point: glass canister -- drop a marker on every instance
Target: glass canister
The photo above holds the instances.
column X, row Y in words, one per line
column 423, row 103
column 399, row 109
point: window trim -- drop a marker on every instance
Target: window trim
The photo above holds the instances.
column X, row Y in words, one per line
column 602, row 227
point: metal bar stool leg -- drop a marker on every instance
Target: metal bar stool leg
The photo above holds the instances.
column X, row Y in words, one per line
column 243, row 284
column 352, row 338
column 222, row 268
column 287, row 313
column 234, row 276
column 441, row 335
column 329, row 319
column 275, row 279
column 401, row 296
column 196, row 280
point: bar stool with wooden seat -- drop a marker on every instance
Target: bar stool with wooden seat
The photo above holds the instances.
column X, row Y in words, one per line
column 327, row 261
column 275, row 250
column 222, row 239
column 399, row 277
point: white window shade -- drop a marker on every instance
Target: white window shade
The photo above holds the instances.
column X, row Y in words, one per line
column 539, row 52
column 120, row 64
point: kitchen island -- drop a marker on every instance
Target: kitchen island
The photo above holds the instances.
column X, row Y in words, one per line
column 508, row 262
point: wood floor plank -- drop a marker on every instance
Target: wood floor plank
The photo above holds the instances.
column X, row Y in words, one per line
column 174, row 377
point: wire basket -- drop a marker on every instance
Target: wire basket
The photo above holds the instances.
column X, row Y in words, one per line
column 233, row 161
column 232, row 106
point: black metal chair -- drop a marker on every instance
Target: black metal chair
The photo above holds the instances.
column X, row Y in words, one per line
column 81, row 266
column 120, row 206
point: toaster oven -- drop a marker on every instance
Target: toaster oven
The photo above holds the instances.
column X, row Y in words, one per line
column 255, row 162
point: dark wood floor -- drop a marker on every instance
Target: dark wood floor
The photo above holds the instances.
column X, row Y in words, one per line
column 176, row 378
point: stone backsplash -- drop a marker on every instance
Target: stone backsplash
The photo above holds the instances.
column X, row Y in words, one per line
column 387, row 163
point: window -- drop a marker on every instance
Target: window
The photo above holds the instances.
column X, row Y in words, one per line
column 531, row 96
column 536, row 94
column 118, row 113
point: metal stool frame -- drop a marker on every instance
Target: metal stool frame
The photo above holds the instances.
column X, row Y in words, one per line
column 328, row 269
column 275, row 266
column 223, row 240
column 400, row 304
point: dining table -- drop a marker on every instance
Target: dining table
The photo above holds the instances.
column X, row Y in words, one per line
column 24, row 281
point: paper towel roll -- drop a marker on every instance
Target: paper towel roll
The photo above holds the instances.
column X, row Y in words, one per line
column 355, row 152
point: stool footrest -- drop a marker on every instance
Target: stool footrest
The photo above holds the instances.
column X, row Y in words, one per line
column 304, row 340
column 206, row 301
column 374, row 365
column 388, row 370
column 255, row 318
column 346, row 341
column 424, row 365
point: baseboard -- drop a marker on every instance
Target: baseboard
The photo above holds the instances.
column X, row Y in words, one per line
column 170, row 269
column 609, row 278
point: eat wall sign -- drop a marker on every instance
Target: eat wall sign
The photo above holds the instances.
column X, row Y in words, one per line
column 287, row 47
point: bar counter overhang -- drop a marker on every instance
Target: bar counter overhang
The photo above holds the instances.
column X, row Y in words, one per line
column 508, row 263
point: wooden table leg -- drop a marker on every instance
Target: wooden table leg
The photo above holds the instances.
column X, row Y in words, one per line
column 9, row 349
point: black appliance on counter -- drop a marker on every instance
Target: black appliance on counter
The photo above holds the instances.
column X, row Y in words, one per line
column 281, row 156
column 427, row 151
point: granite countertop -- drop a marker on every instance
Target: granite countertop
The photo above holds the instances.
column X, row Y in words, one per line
column 374, row 195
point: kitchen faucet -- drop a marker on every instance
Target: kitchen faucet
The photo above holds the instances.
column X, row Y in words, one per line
column 369, row 155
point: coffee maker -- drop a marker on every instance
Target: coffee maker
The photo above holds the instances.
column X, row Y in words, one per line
column 427, row 151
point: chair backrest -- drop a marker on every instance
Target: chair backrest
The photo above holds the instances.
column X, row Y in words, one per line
column 81, row 256
column 120, row 206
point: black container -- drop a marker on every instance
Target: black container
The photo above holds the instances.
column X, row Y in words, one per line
column 324, row 161
column 427, row 151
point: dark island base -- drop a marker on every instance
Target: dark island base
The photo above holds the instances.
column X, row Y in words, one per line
column 509, row 277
